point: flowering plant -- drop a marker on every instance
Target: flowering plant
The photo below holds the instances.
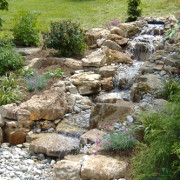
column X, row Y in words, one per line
column 119, row 140
column 36, row 81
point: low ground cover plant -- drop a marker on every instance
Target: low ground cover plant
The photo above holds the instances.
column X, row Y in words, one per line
column 35, row 81
column 67, row 37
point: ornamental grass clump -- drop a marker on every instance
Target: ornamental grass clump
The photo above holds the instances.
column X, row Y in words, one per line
column 10, row 91
column 67, row 37
column 121, row 140
column 159, row 155
column 36, row 82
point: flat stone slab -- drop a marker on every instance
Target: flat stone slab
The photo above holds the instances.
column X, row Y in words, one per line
column 27, row 51
column 56, row 145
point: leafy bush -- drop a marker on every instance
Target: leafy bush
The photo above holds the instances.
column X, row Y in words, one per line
column 9, row 89
column 133, row 10
column 67, row 37
column 36, row 81
column 26, row 28
column 9, row 60
column 160, row 156
column 121, row 140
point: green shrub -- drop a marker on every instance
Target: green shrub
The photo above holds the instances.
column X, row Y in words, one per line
column 170, row 88
column 67, row 37
column 36, row 81
column 9, row 60
column 133, row 10
column 121, row 140
column 9, row 89
column 26, row 30
column 160, row 156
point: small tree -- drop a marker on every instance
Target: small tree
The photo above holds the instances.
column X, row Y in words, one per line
column 133, row 10
column 3, row 6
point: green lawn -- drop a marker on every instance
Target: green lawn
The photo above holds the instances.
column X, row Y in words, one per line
column 90, row 13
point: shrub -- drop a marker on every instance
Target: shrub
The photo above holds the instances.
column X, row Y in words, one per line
column 121, row 140
column 26, row 28
column 67, row 37
column 170, row 88
column 36, row 81
column 133, row 10
column 160, row 156
column 9, row 89
column 9, row 60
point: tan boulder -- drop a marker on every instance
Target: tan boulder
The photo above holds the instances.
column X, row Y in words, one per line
column 66, row 170
column 49, row 106
column 107, row 84
column 38, row 63
column 117, row 57
column 118, row 39
column 106, row 114
column 95, row 59
column 94, row 34
column 73, row 64
column 129, row 30
column 108, row 71
column 148, row 83
column 87, row 82
column 69, row 127
column 112, row 45
column 56, row 145
column 9, row 111
column 14, row 133
column 102, row 168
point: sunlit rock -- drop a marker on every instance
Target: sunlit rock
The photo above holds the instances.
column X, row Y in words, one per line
column 104, row 114
column 56, row 145
column 49, row 106
column 87, row 82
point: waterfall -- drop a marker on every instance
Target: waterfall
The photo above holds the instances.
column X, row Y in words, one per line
column 141, row 47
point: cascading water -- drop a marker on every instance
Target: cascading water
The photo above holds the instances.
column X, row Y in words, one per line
column 141, row 47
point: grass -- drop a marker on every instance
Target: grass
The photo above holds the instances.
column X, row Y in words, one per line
column 90, row 13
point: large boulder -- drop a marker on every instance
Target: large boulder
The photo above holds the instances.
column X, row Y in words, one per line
column 118, row 39
column 94, row 34
column 129, row 30
column 66, row 170
column 102, row 168
column 16, row 123
column 112, row 45
column 53, row 144
column 148, row 83
column 117, row 57
column 50, row 105
column 73, row 64
column 107, row 84
column 95, row 59
column 87, row 82
column 14, row 133
column 106, row 114
column 108, row 71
